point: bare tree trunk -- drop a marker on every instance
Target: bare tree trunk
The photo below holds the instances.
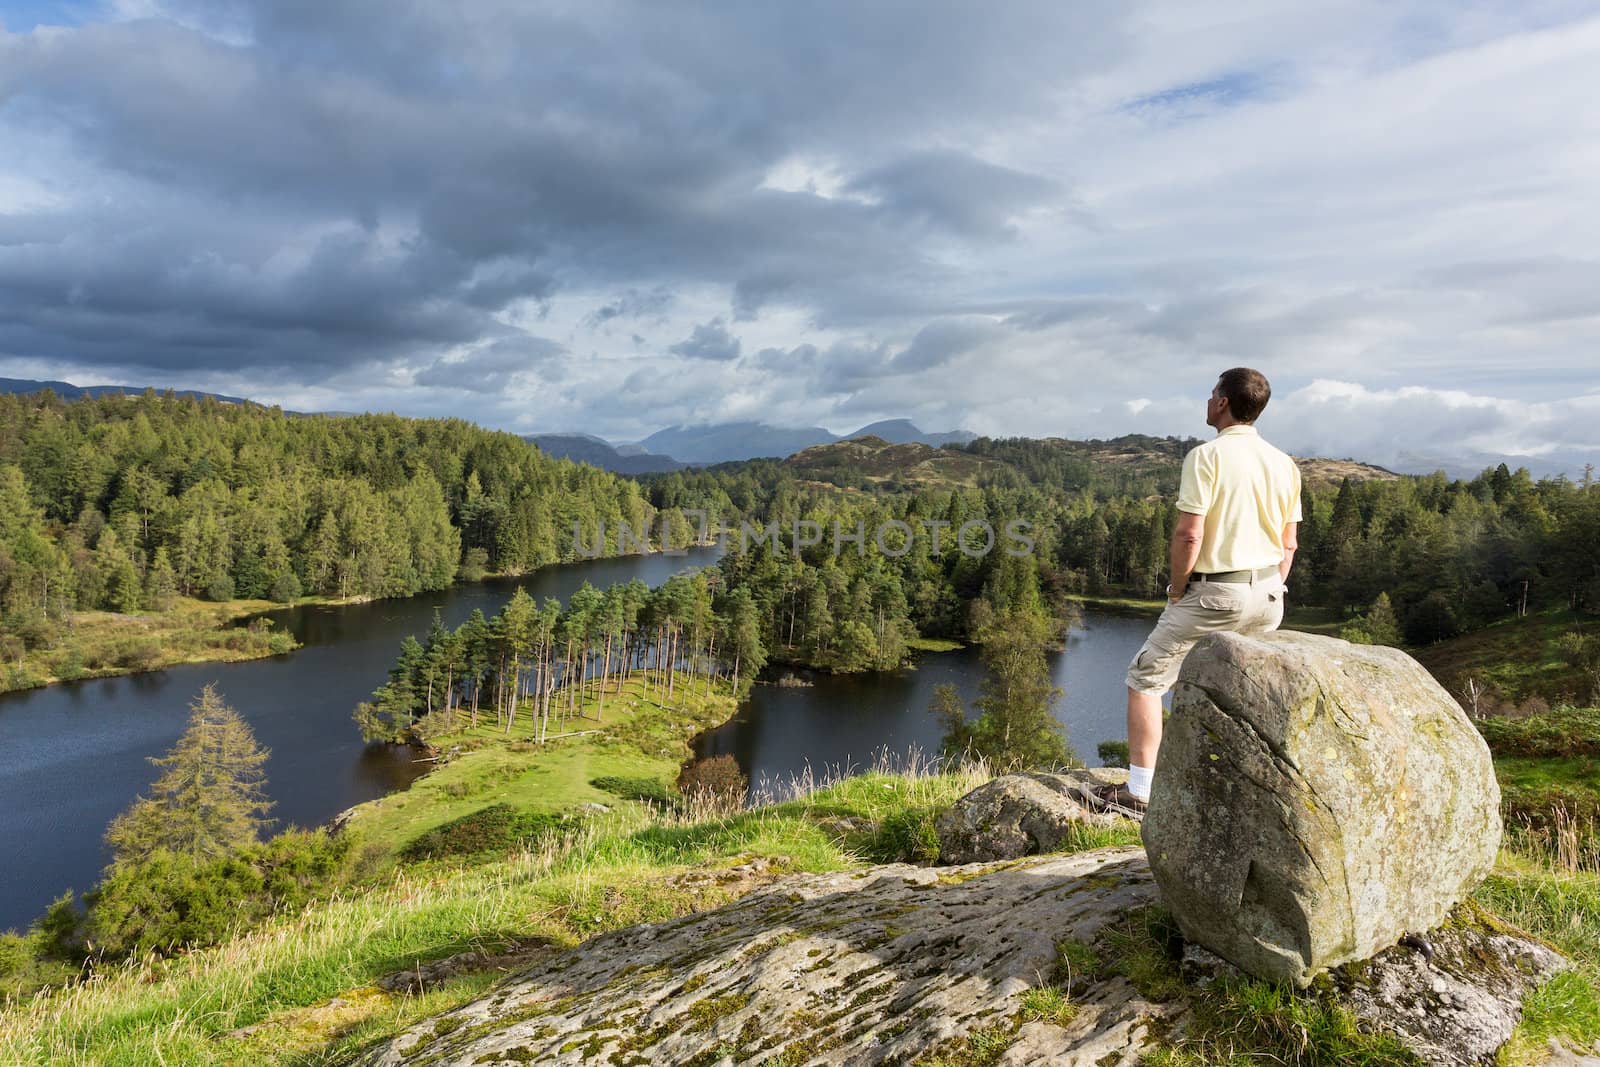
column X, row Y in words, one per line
column 711, row 663
column 605, row 673
column 516, row 681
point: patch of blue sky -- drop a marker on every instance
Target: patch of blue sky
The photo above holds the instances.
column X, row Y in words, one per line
column 20, row 16
column 1229, row 90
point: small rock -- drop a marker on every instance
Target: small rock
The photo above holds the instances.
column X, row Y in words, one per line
column 1200, row 966
column 1012, row 816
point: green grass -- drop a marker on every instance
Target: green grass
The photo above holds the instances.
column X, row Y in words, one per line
column 1536, row 772
column 99, row 644
column 1314, row 620
column 1121, row 605
column 1563, row 910
column 1518, row 658
column 638, row 739
column 933, row 644
column 1048, row 1003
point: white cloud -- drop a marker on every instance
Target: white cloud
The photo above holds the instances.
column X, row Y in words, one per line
column 1385, row 206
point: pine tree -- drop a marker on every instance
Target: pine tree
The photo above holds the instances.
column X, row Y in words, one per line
column 161, row 584
column 211, row 798
column 1382, row 626
column 743, row 638
column 1017, row 727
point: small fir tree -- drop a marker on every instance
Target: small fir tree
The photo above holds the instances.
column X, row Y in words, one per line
column 211, row 798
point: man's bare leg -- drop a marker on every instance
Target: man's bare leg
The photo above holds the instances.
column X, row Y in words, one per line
column 1144, row 739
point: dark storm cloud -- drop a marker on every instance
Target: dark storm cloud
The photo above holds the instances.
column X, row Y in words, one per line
column 709, row 340
column 846, row 367
column 314, row 186
column 490, row 369
column 955, row 191
column 939, row 342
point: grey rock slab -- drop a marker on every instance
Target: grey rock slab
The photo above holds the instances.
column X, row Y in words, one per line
column 1314, row 801
column 856, row 967
column 900, row 963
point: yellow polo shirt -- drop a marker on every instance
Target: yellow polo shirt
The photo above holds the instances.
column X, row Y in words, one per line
column 1248, row 491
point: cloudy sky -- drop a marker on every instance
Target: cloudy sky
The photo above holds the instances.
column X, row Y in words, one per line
column 1018, row 218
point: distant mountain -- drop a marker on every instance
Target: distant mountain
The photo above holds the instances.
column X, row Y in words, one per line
column 904, row 431
column 68, row 391
column 724, row 441
column 597, row 452
column 1471, row 464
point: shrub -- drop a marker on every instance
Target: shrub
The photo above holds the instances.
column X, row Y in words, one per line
column 138, row 654
column 1113, row 753
column 33, row 628
column 715, row 777
column 14, row 954
column 166, row 901
column 474, row 565
column 1558, row 732
column 219, row 588
column 19, row 676
column 68, row 665
column 285, row 587
column 57, row 932
column 652, row 790
column 497, row 828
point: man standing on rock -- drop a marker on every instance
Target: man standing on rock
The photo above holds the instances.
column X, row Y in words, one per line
column 1238, row 514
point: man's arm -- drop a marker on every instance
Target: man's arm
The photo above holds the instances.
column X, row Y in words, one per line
column 1291, row 541
column 1186, row 539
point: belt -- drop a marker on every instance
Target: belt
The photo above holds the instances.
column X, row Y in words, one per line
column 1234, row 576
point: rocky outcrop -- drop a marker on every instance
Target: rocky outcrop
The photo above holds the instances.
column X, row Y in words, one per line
column 855, row 967
column 1315, row 801
column 1014, row 815
column 899, row 964
column 1454, row 996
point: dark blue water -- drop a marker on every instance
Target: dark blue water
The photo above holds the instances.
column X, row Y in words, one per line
column 844, row 722
column 75, row 755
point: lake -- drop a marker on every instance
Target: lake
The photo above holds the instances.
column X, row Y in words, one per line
column 849, row 722
column 77, row 754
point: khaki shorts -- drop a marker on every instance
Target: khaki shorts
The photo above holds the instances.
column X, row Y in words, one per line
column 1207, row 607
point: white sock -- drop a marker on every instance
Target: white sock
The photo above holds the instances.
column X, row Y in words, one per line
column 1139, row 781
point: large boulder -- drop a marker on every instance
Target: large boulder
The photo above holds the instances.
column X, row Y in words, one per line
column 1012, row 816
column 1315, row 801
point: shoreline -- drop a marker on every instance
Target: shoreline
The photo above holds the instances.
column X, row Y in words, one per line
column 225, row 617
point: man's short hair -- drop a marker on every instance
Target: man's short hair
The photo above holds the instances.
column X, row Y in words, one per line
column 1247, row 392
